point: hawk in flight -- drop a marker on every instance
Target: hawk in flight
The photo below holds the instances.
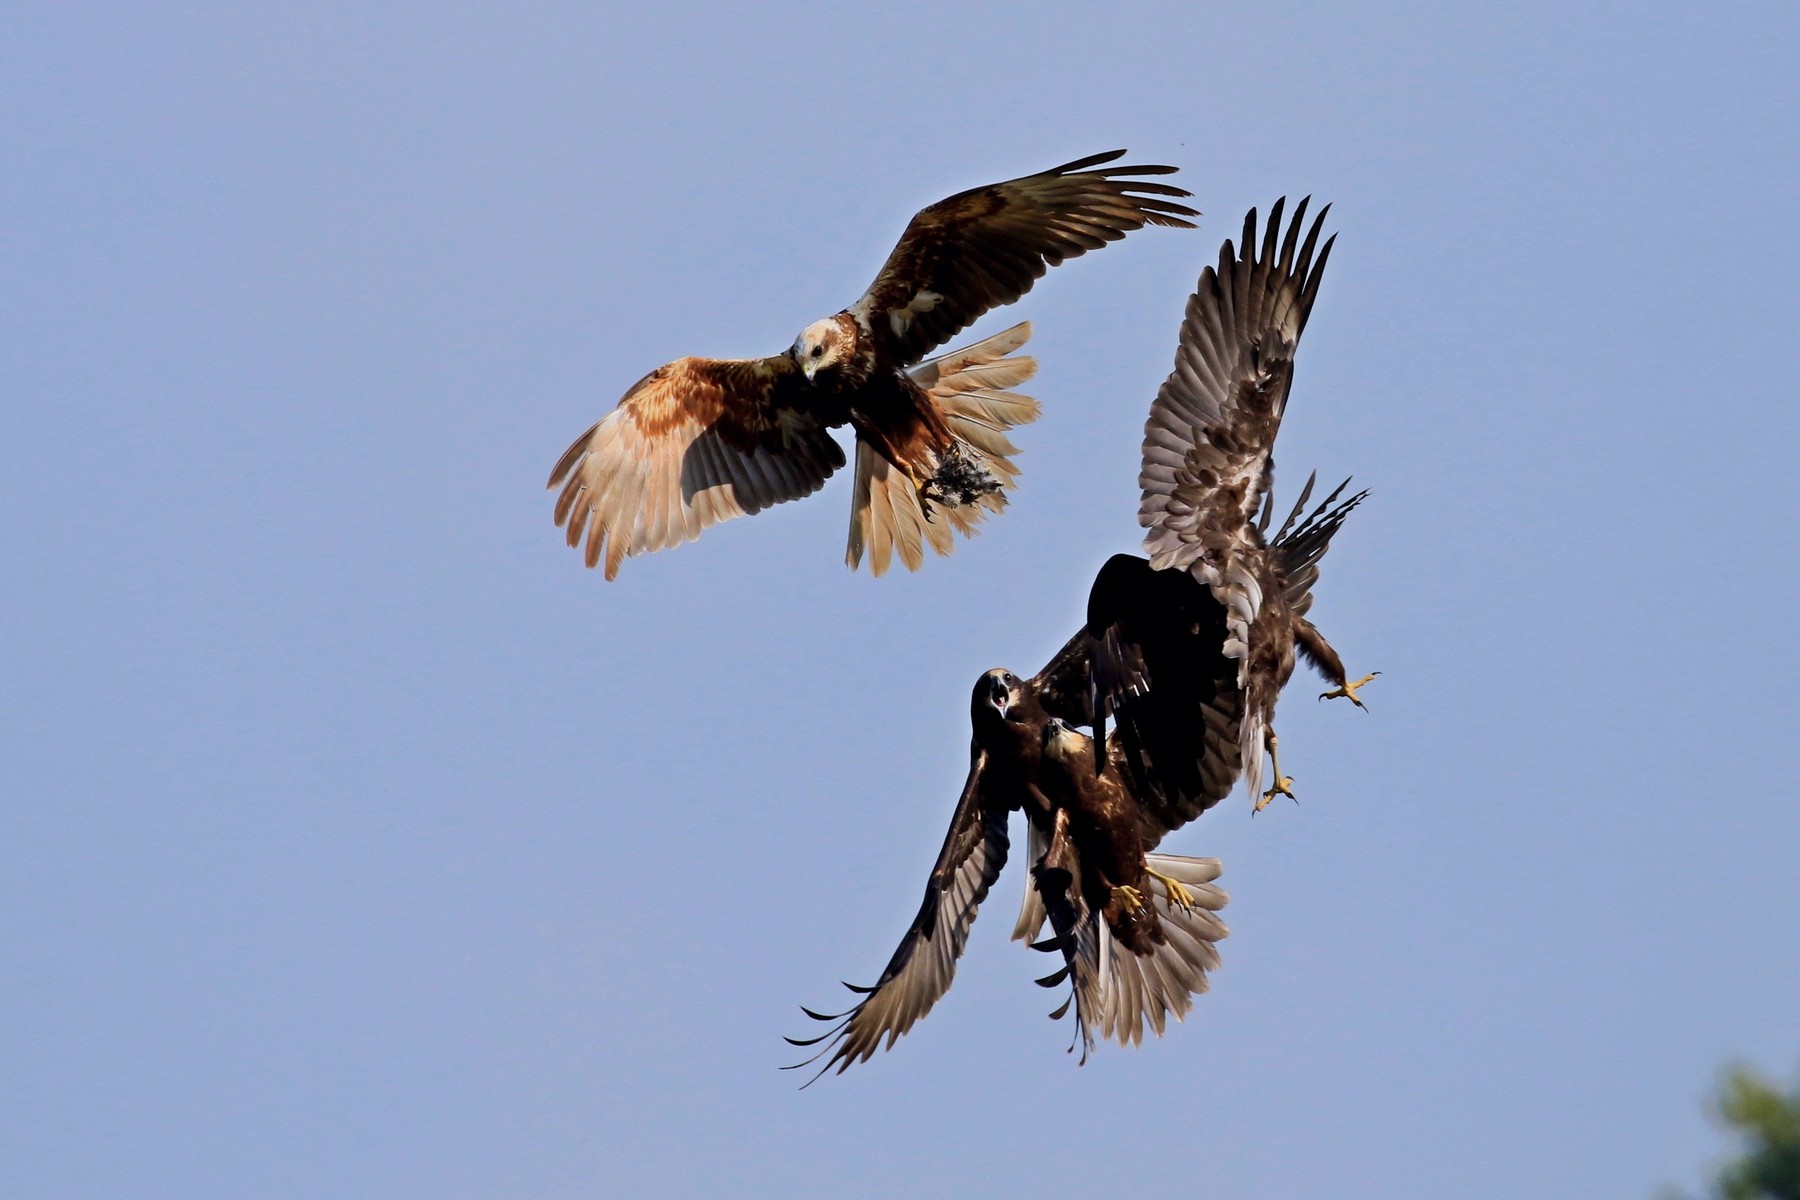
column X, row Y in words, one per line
column 1208, row 466
column 702, row 440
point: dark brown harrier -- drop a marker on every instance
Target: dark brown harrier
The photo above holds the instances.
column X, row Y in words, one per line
column 1208, row 466
column 1136, row 928
column 702, row 440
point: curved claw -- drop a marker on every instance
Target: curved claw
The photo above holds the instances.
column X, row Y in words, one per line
column 1179, row 896
column 1284, row 786
column 1128, row 897
column 1348, row 691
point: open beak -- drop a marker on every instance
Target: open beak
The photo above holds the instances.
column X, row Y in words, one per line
column 998, row 696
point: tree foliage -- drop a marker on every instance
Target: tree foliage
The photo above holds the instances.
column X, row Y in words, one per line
column 1768, row 1122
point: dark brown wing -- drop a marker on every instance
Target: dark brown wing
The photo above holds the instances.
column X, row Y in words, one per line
column 1299, row 547
column 1064, row 687
column 1160, row 672
column 985, row 247
column 922, row 968
column 1212, row 427
column 695, row 442
column 1151, row 659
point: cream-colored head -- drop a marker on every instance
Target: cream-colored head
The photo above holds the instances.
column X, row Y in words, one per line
column 822, row 344
column 1064, row 744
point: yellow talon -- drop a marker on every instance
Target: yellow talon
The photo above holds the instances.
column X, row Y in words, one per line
column 1284, row 785
column 1178, row 894
column 1129, row 897
column 1348, row 691
column 922, row 491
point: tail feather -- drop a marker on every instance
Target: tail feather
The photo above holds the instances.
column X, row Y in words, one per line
column 886, row 516
column 982, row 354
column 1118, row 993
column 1160, row 985
column 1031, row 908
column 1253, row 732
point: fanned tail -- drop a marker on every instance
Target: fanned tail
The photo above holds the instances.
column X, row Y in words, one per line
column 1147, row 989
column 970, row 386
column 1119, row 993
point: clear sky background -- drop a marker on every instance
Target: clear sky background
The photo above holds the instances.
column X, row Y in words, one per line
column 357, row 842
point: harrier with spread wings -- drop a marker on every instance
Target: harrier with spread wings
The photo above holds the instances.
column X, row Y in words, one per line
column 702, row 440
column 1136, row 928
column 1208, row 469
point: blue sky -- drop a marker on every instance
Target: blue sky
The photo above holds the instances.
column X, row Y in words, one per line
column 359, row 843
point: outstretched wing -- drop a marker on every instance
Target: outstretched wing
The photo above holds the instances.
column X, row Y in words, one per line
column 1062, row 687
column 922, row 968
column 1160, row 672
column 1212, row 428
column 693, row 443
column 985, row 247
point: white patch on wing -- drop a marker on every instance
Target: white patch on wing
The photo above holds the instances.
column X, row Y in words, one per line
column 923, row 301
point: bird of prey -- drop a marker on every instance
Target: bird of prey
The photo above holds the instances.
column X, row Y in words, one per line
column 1136, row 928
column 702, row 440
column 1184, row 652
column 1207, row 472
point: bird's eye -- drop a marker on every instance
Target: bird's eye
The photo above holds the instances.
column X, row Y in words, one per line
column 818, row 350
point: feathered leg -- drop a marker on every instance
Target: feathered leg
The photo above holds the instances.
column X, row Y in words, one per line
column 1284, row 784
column 1316, row 650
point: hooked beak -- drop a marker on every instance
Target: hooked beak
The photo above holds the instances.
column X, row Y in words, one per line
column 998, row 695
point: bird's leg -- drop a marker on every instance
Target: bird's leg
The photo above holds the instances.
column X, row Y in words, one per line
column 1345, row 690
column 924, row 490
column 1178, row 894
column 1315, row 649
column 1283, row 784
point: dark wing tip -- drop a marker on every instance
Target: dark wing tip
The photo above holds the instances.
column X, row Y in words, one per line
column 1081, row 164
column 1148, row 169
column 1155, row 189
